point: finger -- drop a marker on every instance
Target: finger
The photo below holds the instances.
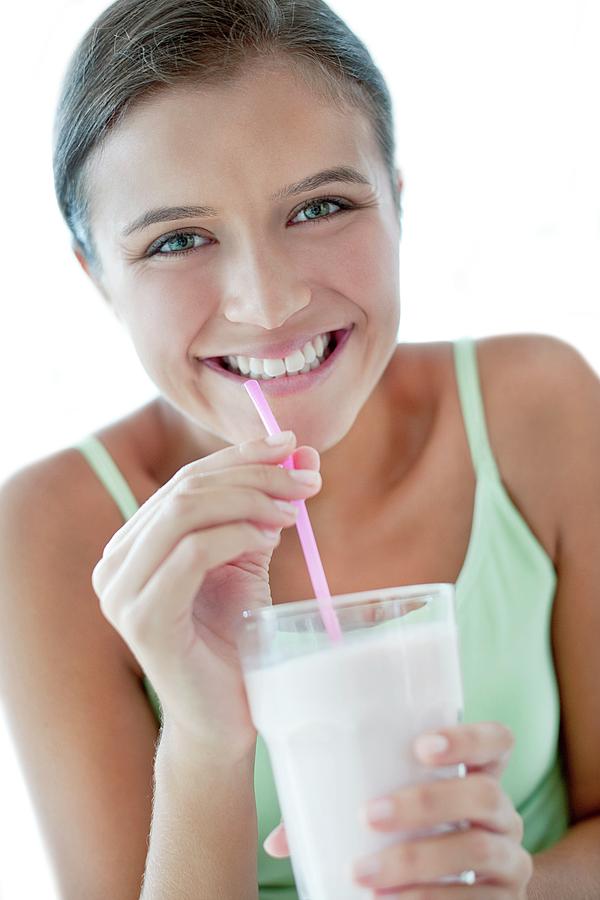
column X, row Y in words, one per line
column 276, row 844
column 238, row 454
column 483, row 745
column 479, row 799
column 189, row 506
column 163, row 608
column 449, row 892
column 304, row 458
column 494, row 857
column 191, row 511
column 123, row 538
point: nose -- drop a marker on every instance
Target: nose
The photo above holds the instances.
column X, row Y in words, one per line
column 262, row 289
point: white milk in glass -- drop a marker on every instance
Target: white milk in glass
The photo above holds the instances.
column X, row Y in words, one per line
column 339, row 724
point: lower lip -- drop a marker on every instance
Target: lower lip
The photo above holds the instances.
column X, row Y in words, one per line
column 290, row 384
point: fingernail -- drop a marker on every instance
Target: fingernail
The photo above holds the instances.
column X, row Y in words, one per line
column 289, row 508
column 431, row 744
column 282, row 437
column 305, row 476
column 366, row 867
column 271, row 534
column 271, row 839
column 380, row 810
column 268, row 842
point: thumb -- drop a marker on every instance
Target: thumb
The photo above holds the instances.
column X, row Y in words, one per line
column 276, row 843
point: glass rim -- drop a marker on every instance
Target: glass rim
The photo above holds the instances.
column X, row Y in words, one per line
column 402, row 592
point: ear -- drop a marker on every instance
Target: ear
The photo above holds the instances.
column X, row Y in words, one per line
column 93, row 275
column 81, row 259
column 399, row 188
column 399, row 183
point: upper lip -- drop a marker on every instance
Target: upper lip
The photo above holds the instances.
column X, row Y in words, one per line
column 281, row 349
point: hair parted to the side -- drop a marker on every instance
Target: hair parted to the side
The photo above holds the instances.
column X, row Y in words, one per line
column 138, row 47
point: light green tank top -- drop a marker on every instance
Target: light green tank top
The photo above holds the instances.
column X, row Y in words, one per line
column 504, row 593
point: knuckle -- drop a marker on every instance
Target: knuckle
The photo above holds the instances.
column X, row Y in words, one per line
column 193, row 549
column 503, row 855
column 268, row 476
column 249, row 500
column 490, row 794
column 252, row 534
column 244, row 450
column 192, row 468
column 97, row 577
column 505, row 736
column 110, row 606
column 470, row 739
column 519, row 826
column 180, row 498
column 136, row 625
column 426, row 798
column 409, row 857
column 481, row 847
column 106, row 605
column 525, row 865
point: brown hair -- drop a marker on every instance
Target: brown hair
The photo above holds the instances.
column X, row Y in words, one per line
column 138, row 47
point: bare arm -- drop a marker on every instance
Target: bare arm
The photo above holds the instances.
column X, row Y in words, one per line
column 204, row 829
column 570, row 870
column 81, row 723
column 556, row 403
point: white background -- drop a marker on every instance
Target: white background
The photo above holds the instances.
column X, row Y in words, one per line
column 497, row 110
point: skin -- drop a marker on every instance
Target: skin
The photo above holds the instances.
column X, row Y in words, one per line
column 388, row 411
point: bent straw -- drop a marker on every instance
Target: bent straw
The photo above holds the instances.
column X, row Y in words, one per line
column 303, row 526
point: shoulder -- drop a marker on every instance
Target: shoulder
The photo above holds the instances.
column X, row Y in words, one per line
column 55, row 519
column 542, row 402
column 551, row 362
column 540, row 384
column 62, row 496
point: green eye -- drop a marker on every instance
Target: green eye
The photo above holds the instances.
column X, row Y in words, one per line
column 180, row 242
column 317, row 209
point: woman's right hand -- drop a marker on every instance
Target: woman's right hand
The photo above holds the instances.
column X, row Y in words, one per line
column 173, row 581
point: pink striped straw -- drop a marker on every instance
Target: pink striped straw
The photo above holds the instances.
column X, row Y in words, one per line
column 303, row 526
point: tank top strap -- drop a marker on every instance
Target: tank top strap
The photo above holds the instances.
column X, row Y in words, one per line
column 106, row 469
column 471, row 401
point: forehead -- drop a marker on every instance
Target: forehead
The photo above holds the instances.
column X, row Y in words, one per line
column 203, row 143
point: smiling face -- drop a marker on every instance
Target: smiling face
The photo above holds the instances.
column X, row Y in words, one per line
column 216, row 256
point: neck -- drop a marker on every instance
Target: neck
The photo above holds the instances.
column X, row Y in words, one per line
column 356, row 471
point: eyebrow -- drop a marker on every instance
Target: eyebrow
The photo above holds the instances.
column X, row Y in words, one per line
column 343, row 174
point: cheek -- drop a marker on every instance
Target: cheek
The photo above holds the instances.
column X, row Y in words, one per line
column 164, row 312
column 362, row 265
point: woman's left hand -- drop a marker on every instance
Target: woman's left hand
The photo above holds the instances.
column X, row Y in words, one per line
column 490, row 846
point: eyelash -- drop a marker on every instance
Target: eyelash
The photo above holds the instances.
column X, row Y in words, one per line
column 345, row 206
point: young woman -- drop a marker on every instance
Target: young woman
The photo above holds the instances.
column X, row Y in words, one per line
column 227, row 171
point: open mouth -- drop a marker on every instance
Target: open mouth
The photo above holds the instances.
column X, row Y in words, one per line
column 300, row 362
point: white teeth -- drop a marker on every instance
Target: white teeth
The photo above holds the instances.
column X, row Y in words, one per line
column 274, row 367
column 295, row 361
column 243, row 364
column 300, row 361
column 308, row 351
